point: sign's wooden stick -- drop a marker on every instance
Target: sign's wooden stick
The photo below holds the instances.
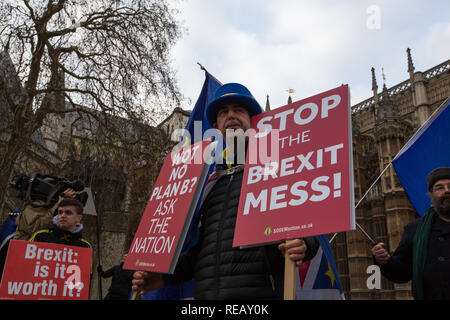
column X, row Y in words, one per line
column 289, row 277
column 136, row 296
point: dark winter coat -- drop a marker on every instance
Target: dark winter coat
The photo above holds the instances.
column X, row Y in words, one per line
column 57, row 235
column 221, row 271
column 120, row 284
column 436, row 275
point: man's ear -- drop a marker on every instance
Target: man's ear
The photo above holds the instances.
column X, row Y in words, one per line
column 80, row 216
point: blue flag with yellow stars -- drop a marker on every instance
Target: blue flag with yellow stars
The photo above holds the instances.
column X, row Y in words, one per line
column 426, row 150
column 318, row 278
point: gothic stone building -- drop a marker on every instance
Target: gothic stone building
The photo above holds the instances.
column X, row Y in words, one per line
column 382, row 124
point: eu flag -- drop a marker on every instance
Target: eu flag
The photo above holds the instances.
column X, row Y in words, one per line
column 196, row 122
column 318, row 278
column 426, row 150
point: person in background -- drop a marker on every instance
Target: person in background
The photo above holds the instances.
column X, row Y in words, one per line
column 37, row 216
column 7, row 232
column 121, row 281
column 423, row 254
column 67, row 227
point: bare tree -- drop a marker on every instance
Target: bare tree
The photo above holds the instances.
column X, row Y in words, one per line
column 106, row 58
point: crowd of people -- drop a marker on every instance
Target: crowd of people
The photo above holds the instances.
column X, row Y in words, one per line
column 222, row 271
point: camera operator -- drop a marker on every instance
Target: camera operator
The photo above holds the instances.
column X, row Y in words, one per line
column 36, row 216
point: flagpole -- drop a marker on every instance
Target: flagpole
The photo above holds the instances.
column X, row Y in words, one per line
column 376, row 180
column 332, row 238
column 204, row 69
column 360, row 200
column 371, row 186
column 372, row 242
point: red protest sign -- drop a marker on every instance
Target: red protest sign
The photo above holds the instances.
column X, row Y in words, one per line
column 158, row 241
column 46, row 271
column 298, row 178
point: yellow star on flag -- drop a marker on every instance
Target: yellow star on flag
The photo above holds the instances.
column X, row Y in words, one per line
column 330, row 274
column 227, row 161
column 187, row 142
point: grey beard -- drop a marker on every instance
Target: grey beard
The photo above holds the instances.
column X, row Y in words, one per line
column 441, row 209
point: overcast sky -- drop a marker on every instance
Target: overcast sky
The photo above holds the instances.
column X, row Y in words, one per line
column 271, row 46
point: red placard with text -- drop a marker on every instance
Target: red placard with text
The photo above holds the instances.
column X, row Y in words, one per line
column 298, row 178
column 163, row 226
column 46, row 271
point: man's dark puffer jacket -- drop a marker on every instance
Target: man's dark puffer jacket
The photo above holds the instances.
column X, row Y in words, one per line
column 59, row 236
column 224, row 272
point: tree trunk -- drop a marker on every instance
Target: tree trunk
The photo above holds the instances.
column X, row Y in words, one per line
column 14, row 150
column 12, row 153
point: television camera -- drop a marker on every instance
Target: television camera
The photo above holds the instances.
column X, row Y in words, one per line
column 46, row 188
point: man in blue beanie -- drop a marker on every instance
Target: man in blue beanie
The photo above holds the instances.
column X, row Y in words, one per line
column 221, row 271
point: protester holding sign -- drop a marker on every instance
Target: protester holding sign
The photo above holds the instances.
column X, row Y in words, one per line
column 220, row 270
column 67, row 226
column 423, row 254
column 55, row 263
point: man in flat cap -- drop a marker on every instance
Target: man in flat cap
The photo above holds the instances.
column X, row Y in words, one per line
column 423, row 254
